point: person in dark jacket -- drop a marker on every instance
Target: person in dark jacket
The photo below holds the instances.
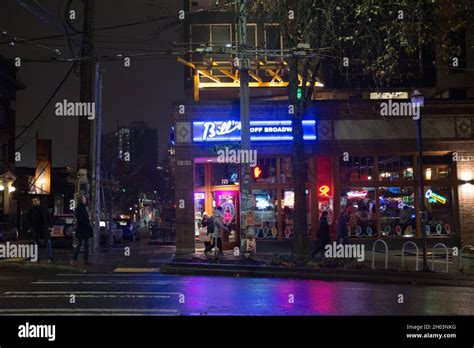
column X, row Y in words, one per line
column 39, row 223
column 323, row 234
column 84, row 230
column 208, row 222
column 342, row 228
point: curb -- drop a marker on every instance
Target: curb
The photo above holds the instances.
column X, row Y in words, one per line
column 183, row 268
column 41, row 266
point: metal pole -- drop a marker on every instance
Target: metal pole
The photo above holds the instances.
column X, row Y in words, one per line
column 243, row 66
column 421, row 188
column 96, row 158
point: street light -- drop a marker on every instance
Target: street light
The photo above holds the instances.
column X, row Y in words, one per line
column 418, row 101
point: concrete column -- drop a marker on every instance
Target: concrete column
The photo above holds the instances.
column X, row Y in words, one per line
column 184, row 195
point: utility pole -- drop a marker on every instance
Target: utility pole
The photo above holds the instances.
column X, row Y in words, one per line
column 86, row 96
column 246, row 206
column 96, row 158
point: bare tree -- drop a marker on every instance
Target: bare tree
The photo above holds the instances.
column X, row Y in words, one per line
column 370, row 43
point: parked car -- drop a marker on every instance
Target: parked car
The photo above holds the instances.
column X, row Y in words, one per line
column 129, row 231
column 62, row 231
column 8, row 232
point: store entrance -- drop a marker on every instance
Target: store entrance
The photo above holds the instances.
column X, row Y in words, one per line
column 226, row 198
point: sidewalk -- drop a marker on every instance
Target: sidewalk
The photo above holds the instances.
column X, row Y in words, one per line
column 142, row 257
column 275, row 266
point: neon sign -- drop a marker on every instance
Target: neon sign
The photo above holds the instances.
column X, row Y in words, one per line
column 433, row 197
column 268, row 130
column 324, row 191
column 357, row 194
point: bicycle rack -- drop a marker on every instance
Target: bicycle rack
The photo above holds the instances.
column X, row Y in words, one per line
column 386, row 253
column 403, row 253
column 433, row 255
column 460, row 255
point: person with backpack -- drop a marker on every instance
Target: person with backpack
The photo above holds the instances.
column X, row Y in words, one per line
column 219, row 229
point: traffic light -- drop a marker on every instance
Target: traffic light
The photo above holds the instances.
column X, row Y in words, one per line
column 257, row 172
column 299, row 93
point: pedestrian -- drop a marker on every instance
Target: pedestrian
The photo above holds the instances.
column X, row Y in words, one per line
column 84, row 230
column 39, row 222
column 219, row 229
column 208, row 223
column 342, row 228
column 323, row 234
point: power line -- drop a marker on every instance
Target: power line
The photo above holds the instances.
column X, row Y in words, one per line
column 47, row 103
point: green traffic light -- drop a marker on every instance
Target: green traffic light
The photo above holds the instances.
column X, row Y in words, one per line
column 299, row 93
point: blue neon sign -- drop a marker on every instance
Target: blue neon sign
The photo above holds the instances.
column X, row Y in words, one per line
column 229, row 130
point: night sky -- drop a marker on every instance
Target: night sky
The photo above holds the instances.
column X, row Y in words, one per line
column 143, row 92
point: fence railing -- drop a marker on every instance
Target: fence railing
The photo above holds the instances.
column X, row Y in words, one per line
column 386, row 253
column 446, row 252
column 164, row 233
column 403, row 253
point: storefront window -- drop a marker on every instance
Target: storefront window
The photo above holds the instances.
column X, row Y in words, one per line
column 437, row 167
column 395, row 168
column 356, row 168
column 225, row 174
column 285, row 170
column 288, row 204
column 228, row 200
column 199, row 175
column 359, row 204
column 266, row 226
column 439, row 211
column 397, row 211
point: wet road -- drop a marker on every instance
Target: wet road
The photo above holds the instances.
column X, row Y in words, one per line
column 156, row 294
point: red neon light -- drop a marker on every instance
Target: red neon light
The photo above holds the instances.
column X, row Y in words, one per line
column 324, row 191
column 257, row 172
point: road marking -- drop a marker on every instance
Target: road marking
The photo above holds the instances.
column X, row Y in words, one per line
column 108, row 275
column 92, row 292
column 116, row 282
column 136, row 270
column 87, row 311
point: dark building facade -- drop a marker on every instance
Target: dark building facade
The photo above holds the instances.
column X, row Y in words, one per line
column 9, row 86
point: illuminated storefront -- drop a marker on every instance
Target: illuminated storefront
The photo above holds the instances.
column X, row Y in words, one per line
column 373, row 182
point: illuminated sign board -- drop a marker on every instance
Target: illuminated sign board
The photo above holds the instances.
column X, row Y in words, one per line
column 433, row 197
column 268, row 130
column 324, row 191
column 357, row 194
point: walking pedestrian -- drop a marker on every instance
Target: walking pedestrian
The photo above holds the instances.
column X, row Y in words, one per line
column 84, row 230
column 208, row 223
column 219, row 229
column 39, row 223
column 342, row 228
column 323, row 234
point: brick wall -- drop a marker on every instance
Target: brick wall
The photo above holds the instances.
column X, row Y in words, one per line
column 465, row 171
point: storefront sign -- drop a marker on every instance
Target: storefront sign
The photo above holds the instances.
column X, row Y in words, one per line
column 433, row 197
column 357, row 194
column 199, row 195
column 229, row 130
column 324, row 191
